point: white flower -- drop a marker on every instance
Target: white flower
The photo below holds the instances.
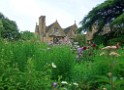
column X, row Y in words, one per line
column 75, row 43
column 114, row 54
column 65, row 89
column 48, row 48
column 77, row 46
column 69, row 84
column 109, row 48
column 53, row 65
column 103, row 53
column 76, row 84
column 2, row 49
column 121, row 78
column 64, row 82
column 110, row 74
column 104, row 88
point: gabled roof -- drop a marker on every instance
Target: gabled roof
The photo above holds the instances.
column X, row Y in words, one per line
column 48, row 27
column 55, row 24
column 66, row 30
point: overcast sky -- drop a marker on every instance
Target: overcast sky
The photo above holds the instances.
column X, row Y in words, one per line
column 27, row 12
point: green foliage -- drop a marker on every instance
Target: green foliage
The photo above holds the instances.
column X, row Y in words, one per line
column 8, row 28
column 85, row 74
column 119, row 20
column 80, row 39
column 30, row 63
column 119, row 39
column 26, row 65
column 112, row 80
column 99, row 40
column 110, row 38
column 64, row 61
column 27, row 35
column 19, row 69
column 103, row 14
column 109, row 13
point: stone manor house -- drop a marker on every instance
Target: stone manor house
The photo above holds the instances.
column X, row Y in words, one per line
column 54, row 32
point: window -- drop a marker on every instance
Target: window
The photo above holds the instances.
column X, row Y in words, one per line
column 55, row 29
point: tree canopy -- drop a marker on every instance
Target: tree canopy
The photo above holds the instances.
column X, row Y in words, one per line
column 109, row 12
column 27, row 35
column 8, row 28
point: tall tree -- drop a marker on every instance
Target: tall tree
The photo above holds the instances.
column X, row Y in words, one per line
column 8, row 28
column 109, row 12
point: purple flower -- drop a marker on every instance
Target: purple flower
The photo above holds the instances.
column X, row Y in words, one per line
column 54, row 84
column 80, row 50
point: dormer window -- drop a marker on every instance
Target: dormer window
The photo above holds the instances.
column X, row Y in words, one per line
column 55, row 29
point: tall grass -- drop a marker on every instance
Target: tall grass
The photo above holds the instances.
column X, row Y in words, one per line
column 26, row 65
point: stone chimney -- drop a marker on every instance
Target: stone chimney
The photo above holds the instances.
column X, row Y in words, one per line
column 42, row 26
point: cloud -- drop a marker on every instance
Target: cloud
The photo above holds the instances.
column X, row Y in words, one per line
column 25, row 7
column 27, row 12
column 30, row 10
